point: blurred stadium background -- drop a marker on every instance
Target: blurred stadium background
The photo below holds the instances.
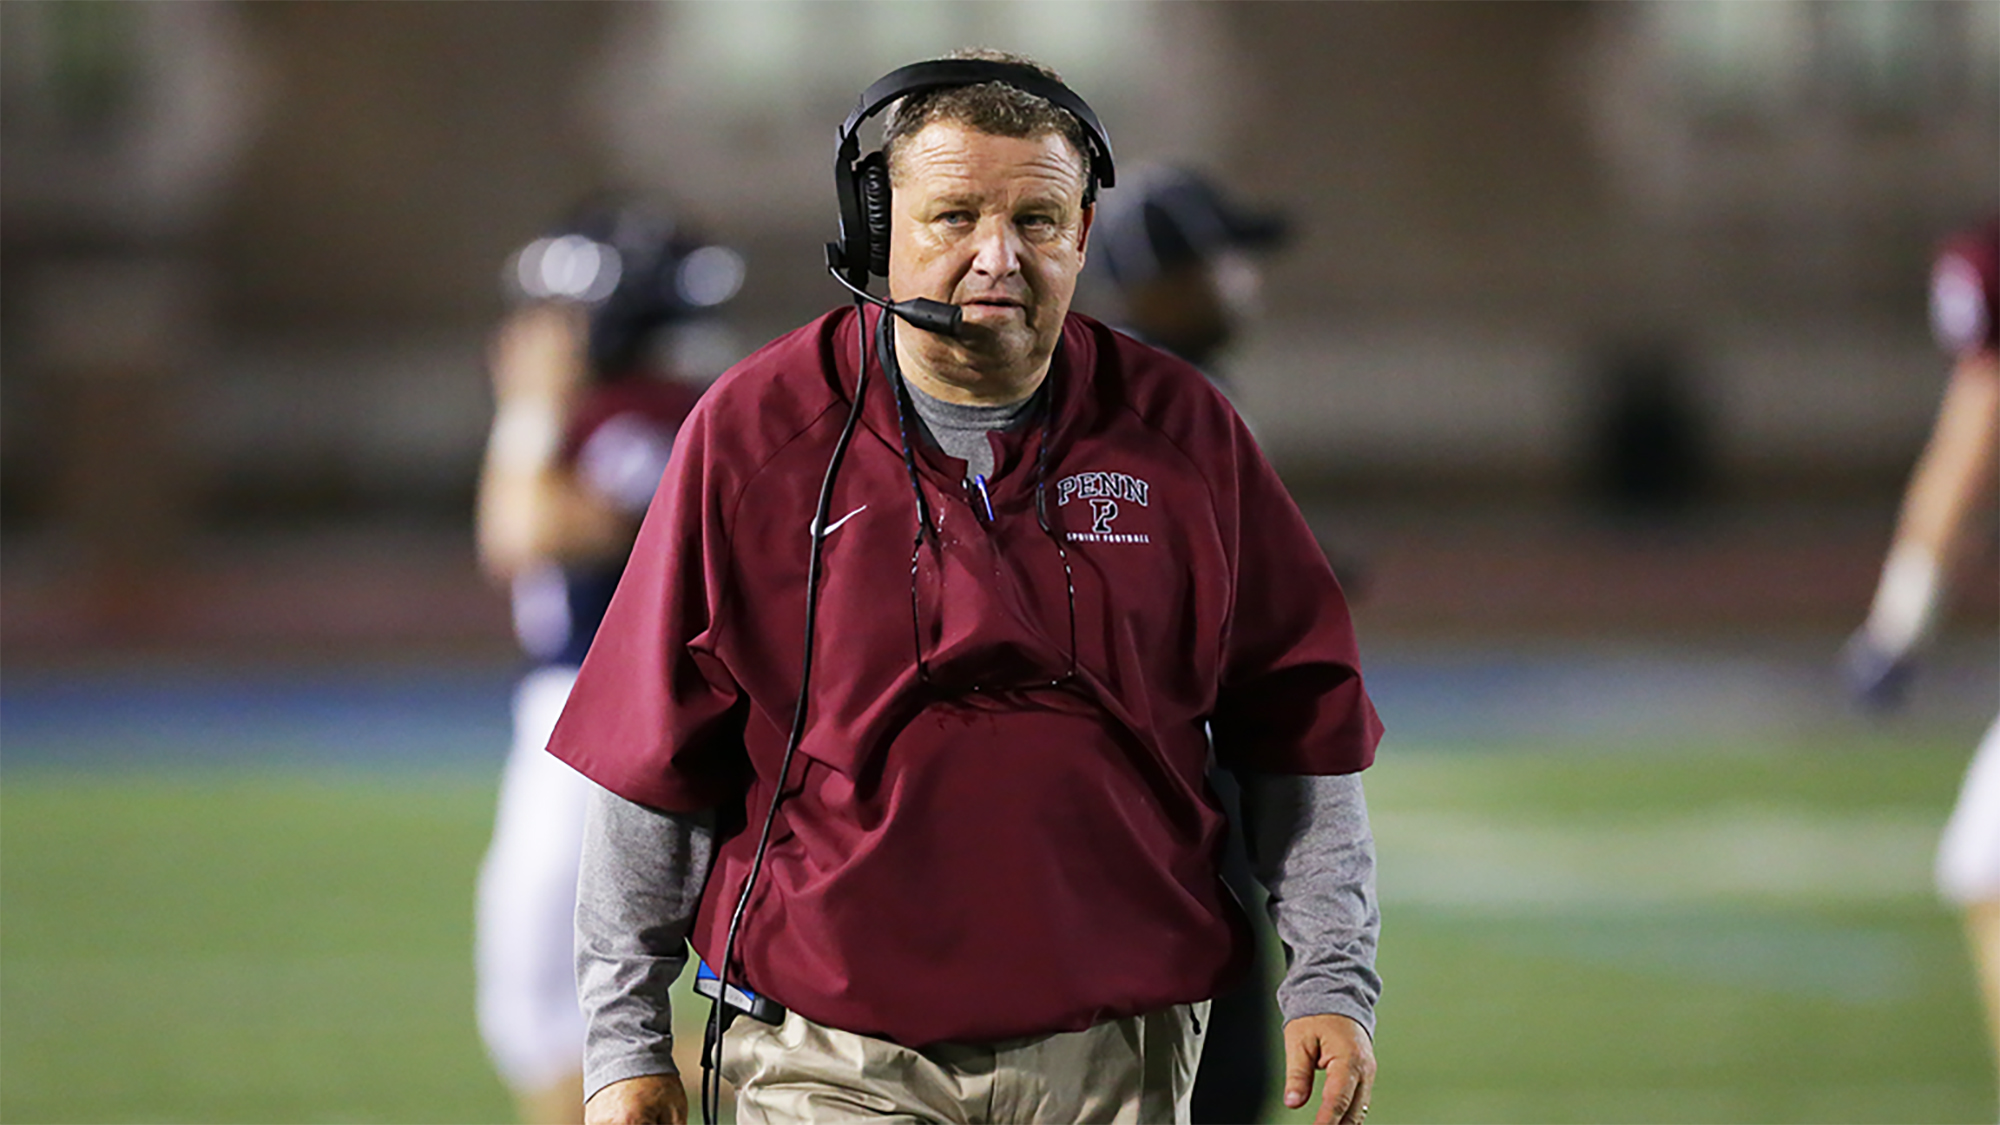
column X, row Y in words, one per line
column 1639, row 860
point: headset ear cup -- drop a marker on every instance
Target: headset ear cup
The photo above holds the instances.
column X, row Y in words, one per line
column 873, row 177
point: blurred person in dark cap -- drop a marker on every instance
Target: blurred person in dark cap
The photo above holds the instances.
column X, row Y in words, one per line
column 1947, row 508
column 587, row 407
column 1177, row 262
column 1175, row 259
column 1177, row 254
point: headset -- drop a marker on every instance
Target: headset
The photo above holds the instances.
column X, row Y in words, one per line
column 862, row 183
column 863, row 249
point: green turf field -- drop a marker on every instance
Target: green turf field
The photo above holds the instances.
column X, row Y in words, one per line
column 1711, row 933
column 1666, row 933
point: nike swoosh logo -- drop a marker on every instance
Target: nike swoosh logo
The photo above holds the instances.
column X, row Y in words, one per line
column 835, row 525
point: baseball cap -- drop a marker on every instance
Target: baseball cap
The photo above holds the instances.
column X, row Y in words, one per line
column 1164, row 217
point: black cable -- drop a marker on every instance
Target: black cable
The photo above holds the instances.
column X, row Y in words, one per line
column 711, row 1062
column 893, row 369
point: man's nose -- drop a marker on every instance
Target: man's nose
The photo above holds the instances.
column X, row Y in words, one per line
column 997, row 250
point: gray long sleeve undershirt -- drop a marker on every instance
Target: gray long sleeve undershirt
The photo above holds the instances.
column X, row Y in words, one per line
column 637, row 890
column 1311, row 848
column 643, row 871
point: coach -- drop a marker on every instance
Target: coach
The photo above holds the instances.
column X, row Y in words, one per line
column 902, row 710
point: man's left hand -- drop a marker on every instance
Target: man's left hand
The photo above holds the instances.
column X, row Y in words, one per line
column 1340, row 1047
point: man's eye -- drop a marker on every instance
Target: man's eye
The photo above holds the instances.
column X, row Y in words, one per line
column 1038, row 223
column 956, row 218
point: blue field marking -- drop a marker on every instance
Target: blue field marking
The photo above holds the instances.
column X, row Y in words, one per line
column 1637, row 694
column 447, row 715
column 422, row 717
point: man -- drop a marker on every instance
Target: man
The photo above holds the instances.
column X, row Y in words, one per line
column 584, row 420
column 1949, row 496
column 1048, row 560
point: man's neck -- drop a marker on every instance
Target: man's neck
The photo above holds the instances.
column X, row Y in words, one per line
column 962, row 385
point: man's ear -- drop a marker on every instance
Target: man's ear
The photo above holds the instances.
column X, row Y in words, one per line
column 1083, row 230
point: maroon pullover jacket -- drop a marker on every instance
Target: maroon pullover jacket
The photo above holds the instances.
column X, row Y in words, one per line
column 987, row 833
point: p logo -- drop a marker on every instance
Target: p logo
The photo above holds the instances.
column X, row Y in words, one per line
column 1106, row 493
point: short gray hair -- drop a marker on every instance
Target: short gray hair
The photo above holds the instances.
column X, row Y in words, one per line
column 989, row 107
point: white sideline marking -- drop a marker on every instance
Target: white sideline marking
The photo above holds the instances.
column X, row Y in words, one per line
column 1746, row 853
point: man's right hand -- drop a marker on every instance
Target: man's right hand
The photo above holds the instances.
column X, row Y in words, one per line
column 650, row 1099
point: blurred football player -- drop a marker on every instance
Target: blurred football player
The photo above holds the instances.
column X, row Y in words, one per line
column 1176, row 259
column 1179, row 256
column 1948, row 494
column 586, row 411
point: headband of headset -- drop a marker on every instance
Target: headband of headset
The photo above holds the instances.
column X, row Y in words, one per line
column 862, row 185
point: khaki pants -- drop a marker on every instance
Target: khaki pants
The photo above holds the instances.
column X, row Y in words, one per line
column 1138, row 1070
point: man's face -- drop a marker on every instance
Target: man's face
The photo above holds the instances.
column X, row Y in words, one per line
column 997, row 226
column 1195, row 308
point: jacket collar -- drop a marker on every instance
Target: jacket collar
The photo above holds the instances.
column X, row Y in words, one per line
column 1067, row 388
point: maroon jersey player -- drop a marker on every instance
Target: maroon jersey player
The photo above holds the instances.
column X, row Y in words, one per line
column 586, row 416
column 1946, row 508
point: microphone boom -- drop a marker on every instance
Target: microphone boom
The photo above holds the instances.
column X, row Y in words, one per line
column 920, row 312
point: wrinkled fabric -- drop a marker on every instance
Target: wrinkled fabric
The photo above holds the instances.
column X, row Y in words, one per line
column 992, row 828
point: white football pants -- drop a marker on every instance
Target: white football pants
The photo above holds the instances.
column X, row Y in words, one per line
column 1968, row 862
column 525, row 940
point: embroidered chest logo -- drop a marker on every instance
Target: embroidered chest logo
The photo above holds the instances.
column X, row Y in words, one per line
column 1105, row 492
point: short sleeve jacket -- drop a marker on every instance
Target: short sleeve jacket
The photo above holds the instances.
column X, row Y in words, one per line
column 999, row 822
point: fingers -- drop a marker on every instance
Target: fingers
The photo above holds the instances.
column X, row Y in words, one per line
column 1356, row 1110
column 1340, row 1047
column 1338, row 1104
column 1359, row 1059
column 1304, row 1058
column 1301, row 1062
